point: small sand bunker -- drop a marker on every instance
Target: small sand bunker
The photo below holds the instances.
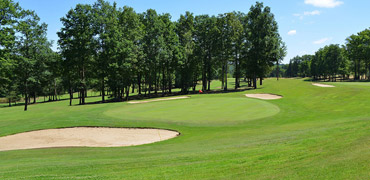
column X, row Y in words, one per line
column 322, row 85
column 264, row 96
column 84, row 137
column 161, row 99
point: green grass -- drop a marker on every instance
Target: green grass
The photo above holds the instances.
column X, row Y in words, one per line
column 208, row 110
column 311, row 133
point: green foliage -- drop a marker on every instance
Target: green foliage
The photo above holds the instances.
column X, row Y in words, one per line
column 187, row 64
column 9, row 15
column 24, row 51
column 329, row 61
column 333, row 60
column 78, row 45
column 358, row 51
column 113, row 50
column 264, row 41
column 300, row 66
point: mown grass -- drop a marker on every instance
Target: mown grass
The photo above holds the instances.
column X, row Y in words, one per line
column 311, row 133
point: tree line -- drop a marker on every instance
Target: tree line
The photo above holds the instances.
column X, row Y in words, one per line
column 351, row 60
column 116, row 50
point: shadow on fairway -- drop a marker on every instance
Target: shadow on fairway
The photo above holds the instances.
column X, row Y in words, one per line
column 158, row 95
column 142, row 96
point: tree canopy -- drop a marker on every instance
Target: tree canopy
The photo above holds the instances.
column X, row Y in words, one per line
column 116, row 51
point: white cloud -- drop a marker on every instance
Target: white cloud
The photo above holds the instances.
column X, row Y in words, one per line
column 321, row 41
column 324, row 3
column 307, row 13
column 312, row 13
column 292, row 32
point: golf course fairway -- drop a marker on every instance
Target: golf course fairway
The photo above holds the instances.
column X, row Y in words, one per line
column 310, row 133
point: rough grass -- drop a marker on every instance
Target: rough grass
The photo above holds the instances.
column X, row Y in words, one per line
column 311, row 133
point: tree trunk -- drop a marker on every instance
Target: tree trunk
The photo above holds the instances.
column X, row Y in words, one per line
column 237, row 70
column 355, row 71
column 169, row 84
column 10, row 102
column 255, row 83
column 102, row 90
column 225, row 87
column 150, row 87
column 139, row 83
column 358, row 70
column 237, row 74
column 26, row 102
column 209, row 85
column 155, row 83
column 261, row 79
column 55, row 89
column 83, row 95
column 26, row 97
column 204, row 75
column 209, row 69
column 34, row 98
column 83, row 86
column 169, row 79
column 277, row 70
column 127, row 92
column 223, row 77
column 79, row 96
column 70, row 96
column 163, row 81
column 122, row 94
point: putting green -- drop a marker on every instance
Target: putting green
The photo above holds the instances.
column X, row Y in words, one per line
column 198, row 110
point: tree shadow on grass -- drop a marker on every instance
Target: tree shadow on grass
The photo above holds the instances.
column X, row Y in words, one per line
column 159, row 95
column 141, row 97
column 6, row 105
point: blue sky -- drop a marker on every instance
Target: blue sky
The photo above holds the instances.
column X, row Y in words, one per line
column 305, row 25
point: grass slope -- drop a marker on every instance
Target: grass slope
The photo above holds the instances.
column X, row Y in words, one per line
column 311, row 133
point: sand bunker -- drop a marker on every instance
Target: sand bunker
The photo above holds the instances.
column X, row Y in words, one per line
column 162, row 99
column 264, row 96
column 322, row 85
column 84, row 137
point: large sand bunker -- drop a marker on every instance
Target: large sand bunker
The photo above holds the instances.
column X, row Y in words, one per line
column 322, row 85
column 264, row 96
column 162, row 99
column 84, row 137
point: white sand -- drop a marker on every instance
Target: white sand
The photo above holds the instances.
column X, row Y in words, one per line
column 322, row 85
column 161, row 99
column 84, row 137
column 264, row 96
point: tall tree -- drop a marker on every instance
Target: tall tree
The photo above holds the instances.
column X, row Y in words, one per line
column 130, row 46
column 105, row 16
column 280, row 54
column 187, row 64
column 206, row 39
column 10, row 15
column 263, row 37
column 170, row 53
column 152, row 45
column 77, row 43
column 30, row 40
